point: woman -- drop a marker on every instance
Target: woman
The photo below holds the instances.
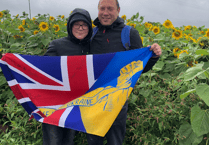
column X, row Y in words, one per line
column 79, row 28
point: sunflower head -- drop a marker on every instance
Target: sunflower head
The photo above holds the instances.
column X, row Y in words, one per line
column 133, row 25
column 23, row 22
column 177, row 34
column 168, row 24
column 17, row 15
column 56, row 27
column 190, row 64
column 175, row 50
column 142, row 38
column 43, row 26
column 17, row 36
column 1, row 14
column 34, row 18
column 123, row 17
column 22, row 29
column 207, row 33
column 35, row 32
column 188, row 27
column 156, row 30
column 62, row 16
column 51, row 18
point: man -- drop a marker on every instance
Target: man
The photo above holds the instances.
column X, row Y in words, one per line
column 106, row 40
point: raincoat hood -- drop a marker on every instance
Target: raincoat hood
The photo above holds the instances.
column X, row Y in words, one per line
column 79, row 15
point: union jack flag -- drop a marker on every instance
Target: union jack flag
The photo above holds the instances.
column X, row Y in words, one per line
column 76, row 92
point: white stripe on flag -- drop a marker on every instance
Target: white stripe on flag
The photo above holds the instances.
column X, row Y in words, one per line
column 23, row 100
column 41, row 120
column 90, row 70
column 64, row 116
column 64, row 71
column 12, row 82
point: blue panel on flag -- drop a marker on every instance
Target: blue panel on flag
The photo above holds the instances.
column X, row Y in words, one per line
column 36, row 116
column 20, row 78
column 76, row 122
column 100, row 63
column 29, row 107
column 7, row 72
column 50, row 65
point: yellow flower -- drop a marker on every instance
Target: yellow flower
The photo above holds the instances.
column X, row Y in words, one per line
column 190, row 64
column 194, row 27
column 202, row 32
column 175, row 50
column 177, row 34
column 202, row 44
column 93, row 26
column 128, row 23
column 57, row 28
column 133, row 25
column 193, row 39
column 62, row 16
column 17, row 15
column 1, row 14
column 128, row 20
column 23, row 22
column 65, row 24
column 189, row 34
column 207, row 33
column 168, row 24
column 201, row 54
column 22, row 29
column 147, row 25
column 142, row 38
column 199, row 39
column 43, row 26
column 34, row 18
column 35, row 32
column 17, row 36
column 188, row 27
column 196, row 62
column 123, row 17
column 28, row 26
column 156, row 30
column 51, row 18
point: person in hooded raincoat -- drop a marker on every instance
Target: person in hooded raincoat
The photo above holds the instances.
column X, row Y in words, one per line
column 79, row 28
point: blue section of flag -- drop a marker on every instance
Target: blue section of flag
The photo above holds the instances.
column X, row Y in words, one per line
column 74, row 120
column 20, row 78
column 7, row 72
column 100, row 62
column 112, row 71
column 51, row 64
column 29, row 107
column 36, row 116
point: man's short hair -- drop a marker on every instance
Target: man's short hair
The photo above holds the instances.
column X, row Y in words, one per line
column 117, row 3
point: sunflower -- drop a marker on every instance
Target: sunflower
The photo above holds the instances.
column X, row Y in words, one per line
column 133, row 25
column 1, row 14
column 51, row 18
column 182, row 51
column 43, row 26
column 142, row 38
column 167, row 24
column 35, row 32
column 57, row 28
column 147, row 25
column 128, row 23
column 123, row 17
column 207, row 33
column 188, row 27
column 65, row 24
column 62, row 16
column 175, row 50
column 194, row 27
column 17, row 36
column 22, row 29
column 177, row 34
column 34, row 18
column 156, row 30
column 193, row 39
column 202, row 32
column 23, row 22
column 17, row 15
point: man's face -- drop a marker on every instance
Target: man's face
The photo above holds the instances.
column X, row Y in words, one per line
column 108, row 12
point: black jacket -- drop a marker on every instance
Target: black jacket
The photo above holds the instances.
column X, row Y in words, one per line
column 108, row 39
column 70, row 45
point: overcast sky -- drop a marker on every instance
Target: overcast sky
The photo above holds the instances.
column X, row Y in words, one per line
column 180, row 12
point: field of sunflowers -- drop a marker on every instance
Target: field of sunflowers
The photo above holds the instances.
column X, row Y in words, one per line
column 169, row 104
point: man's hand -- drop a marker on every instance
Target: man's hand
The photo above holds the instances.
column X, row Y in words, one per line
column 156, row 49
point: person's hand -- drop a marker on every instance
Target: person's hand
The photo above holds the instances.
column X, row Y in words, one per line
column 156, row 49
